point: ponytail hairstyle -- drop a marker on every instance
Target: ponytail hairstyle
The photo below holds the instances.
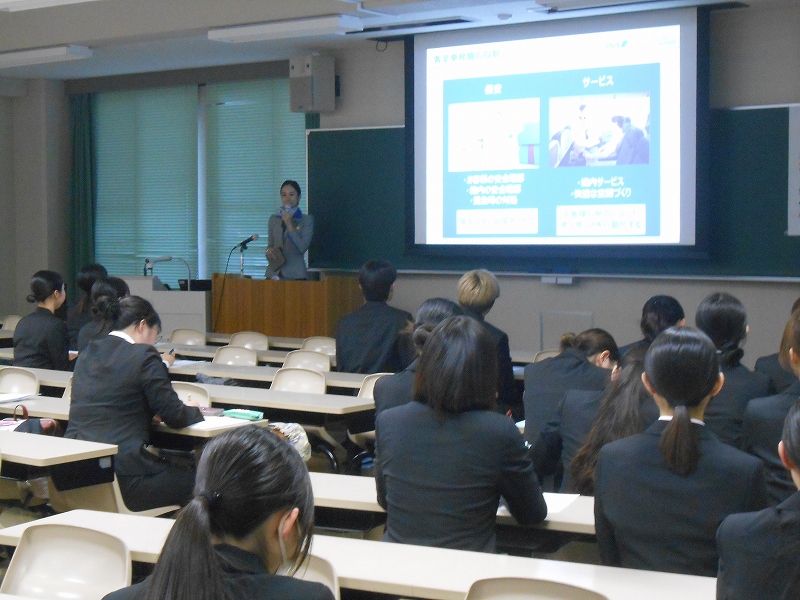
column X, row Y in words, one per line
column 722, row 318
column 620, row 415
column 127, row 311
column 591, row 342
column 429, row 315
column 660, row 313
column 43, row 285
column 682, row 367
column 790, row 339
column 86, row 279
column 244, row 476
column 107, row 291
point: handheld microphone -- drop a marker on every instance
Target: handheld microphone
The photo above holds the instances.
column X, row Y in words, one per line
column 243, row 243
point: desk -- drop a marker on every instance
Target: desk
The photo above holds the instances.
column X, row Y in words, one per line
column 266, row 374
column 6, row 338
column 43, row 407
column 7, row 355
column 413, row 571
column 210, row 427
column 46, row 451
column 287, row 343
column 265, row 356
column 358, row 493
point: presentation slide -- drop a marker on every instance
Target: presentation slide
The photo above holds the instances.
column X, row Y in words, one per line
column 564, row 139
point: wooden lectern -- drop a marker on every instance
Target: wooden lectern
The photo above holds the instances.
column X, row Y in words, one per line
column 282, row 308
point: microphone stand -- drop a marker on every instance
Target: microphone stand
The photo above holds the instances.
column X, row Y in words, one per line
column 242, row 248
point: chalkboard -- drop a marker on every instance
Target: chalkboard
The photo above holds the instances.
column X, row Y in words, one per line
column 357, row 194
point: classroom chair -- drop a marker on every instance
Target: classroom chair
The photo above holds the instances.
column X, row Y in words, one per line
column 250, row 339
column 16, row 380
column 319, row 570
column 190, row 337
column 10, row 323
column 64, row 561
column 365, row 439
column 517, row 588
column 192, row 391
column 235, row 355
column 105, row 497
column 318, row 343
column 308, row 359
column 543, row 354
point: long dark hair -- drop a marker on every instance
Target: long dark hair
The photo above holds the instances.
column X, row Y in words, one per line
column 682, row 366
column 43, row 285
column 722, row 318
column 660, row 313
column 87, row 276
column 429, row 315
column 788, row 518
column 126, row 311
column 106, row 292
column 591, row 342
column 244, row 477
column 790, row 339
column 620, row 415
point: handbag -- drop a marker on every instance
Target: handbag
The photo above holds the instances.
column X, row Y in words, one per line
column 24, row 424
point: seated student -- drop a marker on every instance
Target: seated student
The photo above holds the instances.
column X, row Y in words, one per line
column 120, row 384
column 780, row 375
column 584, row 363
column 763, row 419
column 80, row 314
column 246, row 530
column 374, row 338
column 758, row 550
column 443, row 461
column 104, row 291
column 397, row 389
column 587, row 420
column 660, row 495
column 41, row 339
column 477, row 292
column 723, row 318
column 658, row 313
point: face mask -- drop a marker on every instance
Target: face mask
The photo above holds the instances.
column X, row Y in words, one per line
column 287, row 566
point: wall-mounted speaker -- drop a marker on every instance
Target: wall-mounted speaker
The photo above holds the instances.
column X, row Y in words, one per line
column 312, row 84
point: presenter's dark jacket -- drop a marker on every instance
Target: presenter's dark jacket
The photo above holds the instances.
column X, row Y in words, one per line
column 372, row 339
column 779, row 378
column 758, row 552
column 246, row 578
column 441, row 482
column 725, row 412
column 507, row 395
column 41, row 341
column 648, row 517
column 762, row 431
column 395, row 390
column 117, row 389
column 548, row 381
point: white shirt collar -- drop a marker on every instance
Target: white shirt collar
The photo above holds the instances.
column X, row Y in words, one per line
column 669, row 418
column 124, row 336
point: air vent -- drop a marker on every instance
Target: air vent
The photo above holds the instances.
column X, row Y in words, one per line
column 384, row 29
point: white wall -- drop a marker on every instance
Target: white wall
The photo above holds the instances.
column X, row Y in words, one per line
column 7, row 212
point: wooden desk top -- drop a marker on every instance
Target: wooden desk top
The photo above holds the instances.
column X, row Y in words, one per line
column 565, row 511
column 46, row 451
column 332, row 378
column 266, row 356
column 412, row 571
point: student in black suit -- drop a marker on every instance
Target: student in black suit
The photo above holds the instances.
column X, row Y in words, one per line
column 477, row 292
column 443, row 461
column 41, row 338
column 780, row 373
column 722, row 318
column 245, row 532
column 658, row 313
column 584, row 363
column 104, row 291
column 764, row 417
column 398, row 389
column 81, row 314
column 120, row 384
column 758, row 552
column 660, row 495
column 376, row 337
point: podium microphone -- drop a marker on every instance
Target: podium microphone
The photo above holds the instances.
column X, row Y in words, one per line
column 149, row 262
column 243, row 243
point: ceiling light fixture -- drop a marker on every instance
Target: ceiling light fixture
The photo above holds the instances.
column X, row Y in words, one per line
column 22, row 58
column 280, row 30
column 15, row 5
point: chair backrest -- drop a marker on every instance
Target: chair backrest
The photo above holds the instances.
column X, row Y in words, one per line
column 368, row 385
column 319, row 570
column 190, row 337
column 298, row 380
column 250, row 339
column 67, row 395
column 308, row 359
column 542, row 354
column 235, row 355
column 191, row 391
column 10, row 322
column 517, row 588
column 319, row 343
column 16, row 380
column 64, row 561
column 104, row 497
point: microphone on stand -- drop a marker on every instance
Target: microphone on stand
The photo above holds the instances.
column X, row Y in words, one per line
column 243, row 243
column 149, row 262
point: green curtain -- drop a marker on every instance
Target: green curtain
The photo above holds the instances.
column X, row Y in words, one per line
column 81, row 186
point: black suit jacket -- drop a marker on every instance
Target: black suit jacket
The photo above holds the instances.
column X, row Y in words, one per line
column 395, row 390
column 779, row 378
column 441, row 482
column 761, row 432
column 41, row 341
column 547, row 382
column 245, row 578
column 758, row 552
column 648, row 517
column 725, row 412
column 371, row 340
